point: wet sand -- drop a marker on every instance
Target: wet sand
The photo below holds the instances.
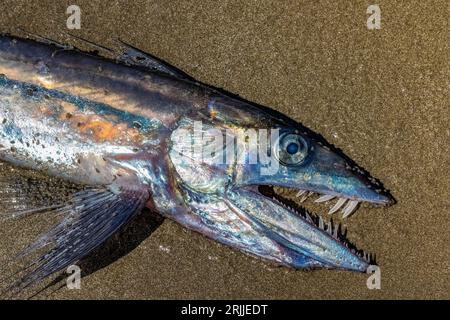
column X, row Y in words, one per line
column 382, row 96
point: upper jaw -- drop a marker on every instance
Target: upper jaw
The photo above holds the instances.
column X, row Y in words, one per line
column 330, row 175
column 333, row 174
column 347, row 203
column 326, row 172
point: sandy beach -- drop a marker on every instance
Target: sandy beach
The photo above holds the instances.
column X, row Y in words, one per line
column 382, row 96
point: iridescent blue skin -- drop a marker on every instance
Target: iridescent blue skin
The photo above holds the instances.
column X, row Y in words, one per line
column 85, row 109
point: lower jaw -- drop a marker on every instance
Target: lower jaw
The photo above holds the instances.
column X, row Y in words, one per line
column 286, row 196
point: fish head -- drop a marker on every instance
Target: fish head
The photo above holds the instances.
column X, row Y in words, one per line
column 252, row 148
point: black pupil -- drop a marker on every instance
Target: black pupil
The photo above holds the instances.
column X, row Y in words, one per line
column 292, row 148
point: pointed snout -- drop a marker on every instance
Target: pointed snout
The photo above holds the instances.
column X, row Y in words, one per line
column 329, row 173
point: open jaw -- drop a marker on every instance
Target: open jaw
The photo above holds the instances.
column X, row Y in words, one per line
column 261, row 223
column 308, row 235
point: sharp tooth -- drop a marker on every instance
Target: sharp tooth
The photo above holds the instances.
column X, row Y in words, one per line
column 310, row 193
column 308, row 217
column 320, row 223
column 335, row 232
column 324, row 198
column 348, row 209
column 330, row 228
column 337, row 206
column 300, row 192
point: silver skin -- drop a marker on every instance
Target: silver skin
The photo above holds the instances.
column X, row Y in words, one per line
column 98, row 122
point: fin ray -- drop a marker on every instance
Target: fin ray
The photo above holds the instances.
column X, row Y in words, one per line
column 136, row 57
column 25, row 191
column 88, row 220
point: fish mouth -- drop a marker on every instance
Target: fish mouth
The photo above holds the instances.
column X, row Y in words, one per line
column 306, row 240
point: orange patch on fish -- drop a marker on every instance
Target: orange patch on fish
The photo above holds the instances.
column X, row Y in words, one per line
column 101, row 129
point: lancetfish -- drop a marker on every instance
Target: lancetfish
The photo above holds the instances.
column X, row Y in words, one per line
column 136, row 132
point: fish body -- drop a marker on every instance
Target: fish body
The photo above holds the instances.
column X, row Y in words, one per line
column 130, row 128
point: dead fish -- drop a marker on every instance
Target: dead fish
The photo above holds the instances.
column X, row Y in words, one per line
column 134, row 131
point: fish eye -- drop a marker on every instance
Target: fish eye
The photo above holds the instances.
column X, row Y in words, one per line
column 292, row 149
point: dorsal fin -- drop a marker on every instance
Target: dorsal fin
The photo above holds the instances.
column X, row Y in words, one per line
column 137, row 57
column 133, row 56
column 130, row 56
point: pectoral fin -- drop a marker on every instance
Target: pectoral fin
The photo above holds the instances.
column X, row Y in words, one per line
column 90, row 218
